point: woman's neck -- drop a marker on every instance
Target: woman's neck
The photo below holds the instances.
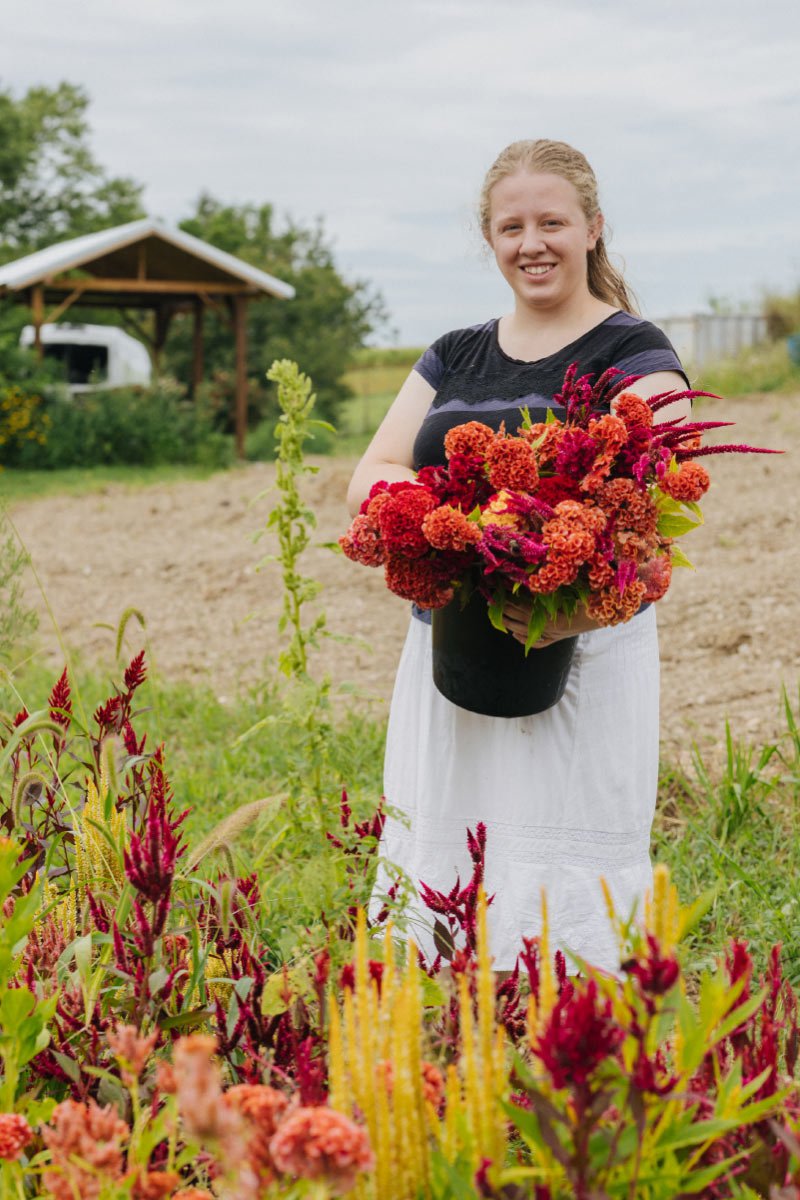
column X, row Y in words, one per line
column 534, row 333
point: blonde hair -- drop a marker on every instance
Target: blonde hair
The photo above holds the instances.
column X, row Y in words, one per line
column 558, row 158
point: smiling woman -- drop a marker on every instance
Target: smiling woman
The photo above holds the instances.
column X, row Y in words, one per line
column 566, row 795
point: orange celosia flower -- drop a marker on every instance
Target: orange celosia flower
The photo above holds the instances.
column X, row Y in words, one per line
column 630, row 507
column 608, row 607
column 319, row 1143
column 193, row 1194
column 552, row 435
column 165, row 1078
column 419, row 580
column 472, row 438
column 154, row 1185
column 511, row 463
column 262, row 1107
column 432, row 1080
column 84, row 1142
column 633, row 410
column 611, row 434
column 601, row 573
column 690, row 482
column 132, row 1050
column 447, row 528
column 15, row 1133
column 362, row 542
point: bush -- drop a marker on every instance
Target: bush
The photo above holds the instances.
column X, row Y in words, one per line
column 783, row 314
column 134, row 426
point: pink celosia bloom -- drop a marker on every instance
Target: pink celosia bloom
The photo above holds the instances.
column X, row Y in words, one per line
column 84, row 1141
column 319, row 1143
column 132, row 1049
column 15, row 1133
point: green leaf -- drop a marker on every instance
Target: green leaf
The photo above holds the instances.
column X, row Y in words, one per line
column 679, row 559
column 495, row 610
column 536, row 624
column 672, row 525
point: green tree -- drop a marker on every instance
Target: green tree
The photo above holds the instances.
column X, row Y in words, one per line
column 321, row 328
column 51, row 186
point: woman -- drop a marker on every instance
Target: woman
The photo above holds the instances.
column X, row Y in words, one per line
column 567, row 795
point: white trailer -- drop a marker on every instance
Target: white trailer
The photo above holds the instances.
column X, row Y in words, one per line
column 95, row 356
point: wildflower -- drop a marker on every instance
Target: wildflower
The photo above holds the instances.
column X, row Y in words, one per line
column 15, row 1133
column 400, row 521
column 362, row 541
column 511, row 463
column 84, row 1141
column 132, row 1050
column 689, row 483
column 447, row 528
column 419, row 580
column 60, row 702
column 319, row 1143
column 471, row 438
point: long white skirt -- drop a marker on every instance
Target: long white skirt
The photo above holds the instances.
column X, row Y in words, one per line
column 567, row 796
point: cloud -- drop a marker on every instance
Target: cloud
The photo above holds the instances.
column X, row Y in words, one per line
column 383, row 115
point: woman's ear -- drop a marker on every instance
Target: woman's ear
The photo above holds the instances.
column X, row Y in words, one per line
column 596, row 226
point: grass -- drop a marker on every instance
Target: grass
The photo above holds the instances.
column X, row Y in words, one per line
column 16, row 485
column 765, row 368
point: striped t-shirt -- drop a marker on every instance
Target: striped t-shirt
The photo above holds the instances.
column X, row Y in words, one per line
column 476, row 381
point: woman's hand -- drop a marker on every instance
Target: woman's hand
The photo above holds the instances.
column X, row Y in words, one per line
column 516, row 615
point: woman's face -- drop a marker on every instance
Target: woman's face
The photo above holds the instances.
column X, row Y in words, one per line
column 540, row 238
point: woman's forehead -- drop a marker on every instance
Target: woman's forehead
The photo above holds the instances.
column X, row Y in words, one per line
column 533, row 190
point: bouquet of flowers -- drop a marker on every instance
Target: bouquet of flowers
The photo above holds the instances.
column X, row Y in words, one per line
column 583, row 510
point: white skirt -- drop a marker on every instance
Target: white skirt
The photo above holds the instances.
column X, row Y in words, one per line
column 567, row 796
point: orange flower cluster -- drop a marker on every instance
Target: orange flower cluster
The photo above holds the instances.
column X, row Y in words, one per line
column 511, row 463
column 690, row 482
column 447, row 528
column 609, row 606
column 132, row 1050
column 433, row 1088
column 631, row 409
column 15, row 1133
column 320, row 1143
column 262, row 1107
column 472, row 438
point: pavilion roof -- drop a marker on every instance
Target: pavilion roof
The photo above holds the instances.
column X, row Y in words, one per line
column 155, row 254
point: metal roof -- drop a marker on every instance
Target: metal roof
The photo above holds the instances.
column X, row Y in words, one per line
column 64, row 256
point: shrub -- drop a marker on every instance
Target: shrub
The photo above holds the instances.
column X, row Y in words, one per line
column 133, row 425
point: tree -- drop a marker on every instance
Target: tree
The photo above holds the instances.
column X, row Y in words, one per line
column 321, row 328
column 51, row 186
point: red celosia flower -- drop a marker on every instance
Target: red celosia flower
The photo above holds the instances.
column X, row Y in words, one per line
column 555, row 488
column 419, row 580
column 576, row 454
column 608, row 607
column 401, row 520
column 511, row 463
column 135, row 672
column 633, row 410
column 319, row 1143
column 362, row 542
column 656, row 973
column 60, row 702
column 447, row 528
column 15, row 1133
column 656, row 575
column 580, row 1033
column 690, row 482
column 472, row 438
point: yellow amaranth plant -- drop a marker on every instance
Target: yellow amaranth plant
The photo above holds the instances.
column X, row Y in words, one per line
column 96, row 863
column 375, row 1051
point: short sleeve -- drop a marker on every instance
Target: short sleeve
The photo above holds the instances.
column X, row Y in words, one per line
column 644, row 349
column 432, row 364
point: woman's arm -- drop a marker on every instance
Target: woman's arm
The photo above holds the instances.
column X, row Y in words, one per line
column 518, row 610
column 390, row 454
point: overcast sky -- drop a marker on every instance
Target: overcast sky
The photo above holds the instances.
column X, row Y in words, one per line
column 382, row 117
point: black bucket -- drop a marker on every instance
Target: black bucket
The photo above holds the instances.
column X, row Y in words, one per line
column 481, row 669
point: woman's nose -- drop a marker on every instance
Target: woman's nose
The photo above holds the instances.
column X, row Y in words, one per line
column 532, row 241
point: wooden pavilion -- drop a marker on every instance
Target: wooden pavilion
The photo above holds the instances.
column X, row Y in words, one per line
column 146, row 266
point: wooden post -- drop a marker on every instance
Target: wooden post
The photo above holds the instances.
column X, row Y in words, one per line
column 240, row 330
column 163, row 318
column 37, row 311
column 197, row 347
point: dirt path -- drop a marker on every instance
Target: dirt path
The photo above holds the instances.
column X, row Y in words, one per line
column 184, row 555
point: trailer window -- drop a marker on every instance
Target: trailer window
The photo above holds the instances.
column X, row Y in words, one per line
column 83, row 364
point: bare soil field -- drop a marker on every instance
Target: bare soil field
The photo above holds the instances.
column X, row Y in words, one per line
column 184, row 554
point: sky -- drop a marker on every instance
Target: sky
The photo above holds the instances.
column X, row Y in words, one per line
column 381, row 118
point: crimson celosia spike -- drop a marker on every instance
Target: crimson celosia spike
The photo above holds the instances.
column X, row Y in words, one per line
column 683, row 453
column 663, row 399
